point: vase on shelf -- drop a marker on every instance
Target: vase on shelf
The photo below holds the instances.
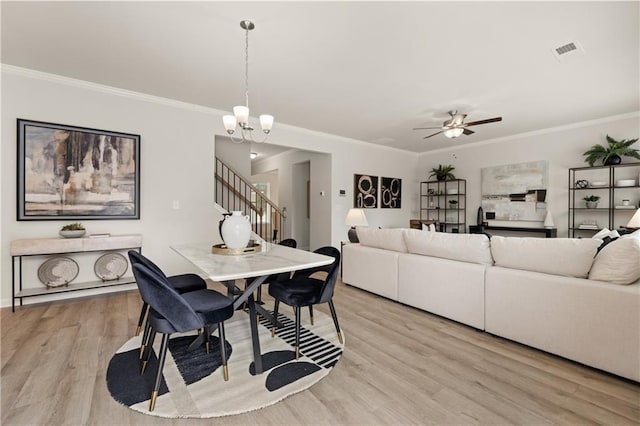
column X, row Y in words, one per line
column 613, row 160
column 592, row 204
column 236, row 230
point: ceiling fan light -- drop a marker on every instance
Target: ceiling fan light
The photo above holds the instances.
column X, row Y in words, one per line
column 453, row 132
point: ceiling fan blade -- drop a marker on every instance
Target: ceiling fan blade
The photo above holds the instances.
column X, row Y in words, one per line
column 427, row 128
column 468, row 132
column 488, row 120
column 427, row 137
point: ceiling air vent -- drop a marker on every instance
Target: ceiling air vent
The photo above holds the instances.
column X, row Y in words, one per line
column 566, row 50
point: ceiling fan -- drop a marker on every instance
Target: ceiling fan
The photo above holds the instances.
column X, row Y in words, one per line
column 455, row 126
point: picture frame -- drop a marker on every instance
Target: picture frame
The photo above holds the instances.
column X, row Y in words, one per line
column 365, row 191
column 390, row 193
column 75, row 173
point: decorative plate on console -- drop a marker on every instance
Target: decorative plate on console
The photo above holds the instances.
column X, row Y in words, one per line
column 110, row 266
column 58, row 271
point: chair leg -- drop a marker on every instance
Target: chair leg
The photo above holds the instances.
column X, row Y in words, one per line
column 223, row 351
column 311, row 313
column 145, row 338
column 163, row 355
column 335, row 320
column 276, row 304
column 143, row 313
column 207, row 338
column 297, row 311
column 148, row 348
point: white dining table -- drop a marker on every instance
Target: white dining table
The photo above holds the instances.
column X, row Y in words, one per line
column 256, row 268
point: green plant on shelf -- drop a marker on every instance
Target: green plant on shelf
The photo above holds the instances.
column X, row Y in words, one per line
column 443, row 172
column 73, row 227
column 612, row 153
column 592, row 198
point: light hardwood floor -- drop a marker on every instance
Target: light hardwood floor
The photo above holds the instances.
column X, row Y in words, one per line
column 401, row 366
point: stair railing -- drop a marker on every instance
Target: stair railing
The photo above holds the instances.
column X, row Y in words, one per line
column 234, row 192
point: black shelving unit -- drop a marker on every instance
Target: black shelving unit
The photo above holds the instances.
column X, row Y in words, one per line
column 435, row 197
column 609, row 212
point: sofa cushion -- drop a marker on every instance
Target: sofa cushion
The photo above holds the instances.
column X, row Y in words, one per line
column 388, row 239
column 570, row 257
column 619, row 261
column 472, row 248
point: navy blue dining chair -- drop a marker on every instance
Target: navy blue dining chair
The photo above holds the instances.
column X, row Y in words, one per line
column 288, row 242
column 182, row 283
column 170, row 312
column 304, row 290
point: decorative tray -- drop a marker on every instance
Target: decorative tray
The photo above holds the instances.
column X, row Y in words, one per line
column 110, row 266
column 58, row 271
column 222, row 249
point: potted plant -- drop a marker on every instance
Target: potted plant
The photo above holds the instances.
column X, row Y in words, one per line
column 453, row 204
column 443, row 172
column 73, row 230
column 592, row 201
column 612, row 153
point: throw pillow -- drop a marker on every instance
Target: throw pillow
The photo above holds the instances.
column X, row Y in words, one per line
column 619, row 261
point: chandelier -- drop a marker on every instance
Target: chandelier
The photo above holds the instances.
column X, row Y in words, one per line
column 240, row 117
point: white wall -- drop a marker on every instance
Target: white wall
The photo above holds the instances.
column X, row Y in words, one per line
column 177, row 163
column 318, row 171
column 562, row 147
column 234, row 155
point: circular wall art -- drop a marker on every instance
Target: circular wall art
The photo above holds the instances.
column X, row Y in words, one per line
column 110, row 266
column 58, row 271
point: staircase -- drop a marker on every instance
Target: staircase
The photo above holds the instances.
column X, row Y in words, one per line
column 234, row 192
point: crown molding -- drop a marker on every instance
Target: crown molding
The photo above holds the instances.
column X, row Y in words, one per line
column 103, row 88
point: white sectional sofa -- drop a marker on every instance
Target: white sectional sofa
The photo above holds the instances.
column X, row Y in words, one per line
column 539, row 292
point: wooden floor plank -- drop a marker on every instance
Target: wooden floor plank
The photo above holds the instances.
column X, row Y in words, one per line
column 401, row 366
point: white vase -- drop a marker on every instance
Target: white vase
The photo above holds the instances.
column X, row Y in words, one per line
column 236, row 230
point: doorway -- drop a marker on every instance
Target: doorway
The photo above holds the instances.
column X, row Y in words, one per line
column 300, row 213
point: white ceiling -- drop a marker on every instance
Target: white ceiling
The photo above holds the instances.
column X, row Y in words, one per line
column 366, row 70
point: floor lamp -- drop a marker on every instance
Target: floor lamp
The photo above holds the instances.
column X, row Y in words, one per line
column 354, row 218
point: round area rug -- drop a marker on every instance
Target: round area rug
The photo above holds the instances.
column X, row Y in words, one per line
column 192, row 383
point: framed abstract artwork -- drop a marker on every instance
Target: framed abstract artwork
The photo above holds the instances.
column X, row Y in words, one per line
column 365, row 191
column 390, row 193
column 515, row 192
column 72, row 173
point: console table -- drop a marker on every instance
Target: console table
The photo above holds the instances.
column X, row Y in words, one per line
column 548, row 232
column 46, row 246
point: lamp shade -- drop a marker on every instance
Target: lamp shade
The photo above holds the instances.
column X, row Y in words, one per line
column 635, row 220
column 241, row 113
column 229, row 123
column 356, row 217
column 548, row 220
column 266, row 122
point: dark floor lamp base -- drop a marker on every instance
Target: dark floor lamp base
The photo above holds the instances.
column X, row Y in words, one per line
column 353, row 235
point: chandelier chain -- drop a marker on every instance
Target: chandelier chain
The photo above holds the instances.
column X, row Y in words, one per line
column 246, row 68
